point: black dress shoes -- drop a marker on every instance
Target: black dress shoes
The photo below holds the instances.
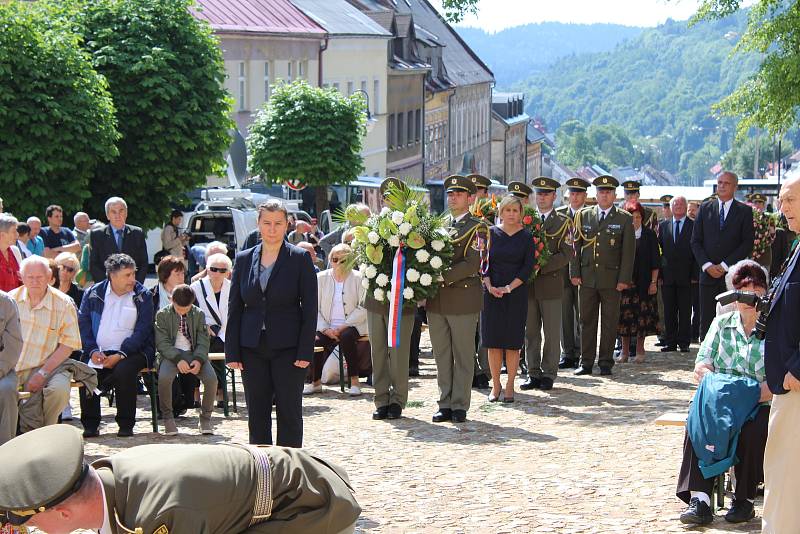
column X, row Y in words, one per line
column 660, row 343
column 669, row 348
column 698, row 513
column 459, row 416
column 605, row 371
column 566, row 363
column 583, row 370
column 480, row 381
column 380, row 413
column 531, row 383
column 395, row 411
column 90, row 433
column 444, row 414
column 125, row 433
column 740, row 511
column 685, row 349
column 547, row 384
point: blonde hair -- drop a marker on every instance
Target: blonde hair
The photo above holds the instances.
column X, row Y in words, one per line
column 68, row 257
column 507, row 201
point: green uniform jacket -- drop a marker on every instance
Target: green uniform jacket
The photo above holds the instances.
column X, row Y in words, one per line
column 211, row 489
column 604, row 253
column 167, row 330
column 567, row 212
column 461, row 292
column 548, row 284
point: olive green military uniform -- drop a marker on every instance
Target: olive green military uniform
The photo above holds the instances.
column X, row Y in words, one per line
column 604, row 257
column 454, row 311
column 544, row 300
column 570, row 311
column 179, row 488
column 482, row 354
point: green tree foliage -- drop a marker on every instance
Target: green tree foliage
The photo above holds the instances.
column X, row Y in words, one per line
column 165, row 73
column 56, row 115
column 597, row 144
column 741, row 158
column 454, row 10
column 309, row 134
column 770, row 98
column 659, row 87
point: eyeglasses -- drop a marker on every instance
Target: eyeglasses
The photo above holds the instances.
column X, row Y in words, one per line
column 67, row 268
column 337, row 260
column 218, row 269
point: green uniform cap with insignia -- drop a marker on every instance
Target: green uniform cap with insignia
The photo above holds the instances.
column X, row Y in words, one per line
column 577, row 185
column 480, row 180
column 41, row 469
column 543, row 184
column 666, row 199
column 605, row 182
column 631, row 186
column 389, row 181
column 457, row 182
column 757, row 197
column 519, row 189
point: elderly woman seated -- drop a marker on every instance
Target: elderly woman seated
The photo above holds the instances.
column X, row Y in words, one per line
column 730, row 348
column 341, row 319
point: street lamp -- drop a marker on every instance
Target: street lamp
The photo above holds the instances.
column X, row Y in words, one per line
column 371, row 121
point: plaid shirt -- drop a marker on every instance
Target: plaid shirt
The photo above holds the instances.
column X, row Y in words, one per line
column 52, row 323
column 730, row 350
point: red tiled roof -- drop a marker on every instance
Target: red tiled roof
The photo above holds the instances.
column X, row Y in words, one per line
column 255, row 16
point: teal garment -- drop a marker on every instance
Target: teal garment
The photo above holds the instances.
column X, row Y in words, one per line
column 36, row 245
column 722, row 404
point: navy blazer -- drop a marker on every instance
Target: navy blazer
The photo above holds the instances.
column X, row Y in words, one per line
column 782, row 344
column 678, row 267
column 731, row 244
column 288, row 307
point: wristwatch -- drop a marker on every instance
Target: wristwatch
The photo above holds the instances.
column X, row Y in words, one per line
column 508, row 289
column 43, row 373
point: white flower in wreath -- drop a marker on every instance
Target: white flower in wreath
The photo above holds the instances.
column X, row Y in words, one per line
column 365, row 283
column 426, row 279
column 382, row 280
column 394, row 241
column 412, row 275
column 371, row 272
column 397, row 217
column 436, row 262
column 422, row 255
column 437, row 245
column 408, row 293
column 443, row 231
column 405, row 228
column 362, row 269
column 385, row 211
column 378, row 294
column 373, row 237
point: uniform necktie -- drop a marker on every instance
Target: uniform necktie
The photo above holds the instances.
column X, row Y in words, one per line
column 721, row 215
column 602, row 216
column 118, row 236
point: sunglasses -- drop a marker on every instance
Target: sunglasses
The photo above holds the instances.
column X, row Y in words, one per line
column 218, row 269
column 67, row 268
column 337, row 260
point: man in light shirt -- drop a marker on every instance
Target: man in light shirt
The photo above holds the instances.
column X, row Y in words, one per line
column 116, row 323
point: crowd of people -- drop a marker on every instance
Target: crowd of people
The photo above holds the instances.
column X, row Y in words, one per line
column 75, row 308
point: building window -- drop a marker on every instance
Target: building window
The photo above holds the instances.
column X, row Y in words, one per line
column 349, row 88
column 266, row 81
column 410, row 127
column 289, row 71
column 400, row 123
column 242, row 87
column 301, row 72
column 392, row 132
column 376, row 96
column 417, row 125
column 336, row 85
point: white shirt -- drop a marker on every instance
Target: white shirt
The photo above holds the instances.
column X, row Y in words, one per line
column 675, row 221
column 638, row 233
column 727, row 204
column 573, row 211
column 456, row 219
column 544, row 216
column 338, row 317
column 118, row 320
column 603, row 213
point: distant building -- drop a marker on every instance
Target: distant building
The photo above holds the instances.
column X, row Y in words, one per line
column 539, row 144
column 355, row 60
column 509, row 145
column 263, row 42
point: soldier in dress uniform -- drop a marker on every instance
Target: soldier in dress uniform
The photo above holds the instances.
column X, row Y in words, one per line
column 520, row 190
column 570, row 311
column 170, row 488
column 632, row 194
column 759, row 202
column 454, row 311
column 482, row 372
column 389, row 365
column 605, row 246
column 666, row 207
column 544, row 293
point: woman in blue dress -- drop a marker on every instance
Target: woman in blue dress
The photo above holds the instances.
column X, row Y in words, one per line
column 505, row 298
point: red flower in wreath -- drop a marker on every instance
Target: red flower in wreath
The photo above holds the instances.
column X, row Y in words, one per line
column 527, row 219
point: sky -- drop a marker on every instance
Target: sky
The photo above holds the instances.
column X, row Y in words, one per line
column 495, row 15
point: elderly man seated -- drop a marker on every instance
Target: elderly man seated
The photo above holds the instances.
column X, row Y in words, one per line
column 116, row 323
column 50, row 334
column 729, row 350
column 10, row 347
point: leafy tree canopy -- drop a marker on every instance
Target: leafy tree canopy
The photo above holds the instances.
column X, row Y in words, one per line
column 454, row 10
column 56, row 114
column 165, row 73
column 741, row 158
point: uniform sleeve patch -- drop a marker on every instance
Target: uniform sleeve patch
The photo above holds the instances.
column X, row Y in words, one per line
column 161, row 530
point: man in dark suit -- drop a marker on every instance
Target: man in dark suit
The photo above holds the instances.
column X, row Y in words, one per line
column 677, row 261
column 722, row 235
column 117, row 237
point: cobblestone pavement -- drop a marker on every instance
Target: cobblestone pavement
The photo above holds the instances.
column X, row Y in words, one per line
column 583, row 458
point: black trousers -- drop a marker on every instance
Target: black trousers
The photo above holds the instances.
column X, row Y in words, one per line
column 348, row 348
column 708, row 303
column 677, row 314
column 749, row 471
column 124, row 379
column 695, row 289
column 271, row 375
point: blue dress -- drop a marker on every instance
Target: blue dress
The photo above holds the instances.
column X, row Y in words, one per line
column 503, row 319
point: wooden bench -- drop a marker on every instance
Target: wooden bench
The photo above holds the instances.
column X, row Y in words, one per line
column 152, row 388
column 220, row 357
column 679, row 419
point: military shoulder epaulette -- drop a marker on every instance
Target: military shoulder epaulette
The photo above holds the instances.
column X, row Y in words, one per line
column 624, row 212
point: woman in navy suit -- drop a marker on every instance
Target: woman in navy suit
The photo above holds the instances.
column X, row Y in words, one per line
column 272, row 319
